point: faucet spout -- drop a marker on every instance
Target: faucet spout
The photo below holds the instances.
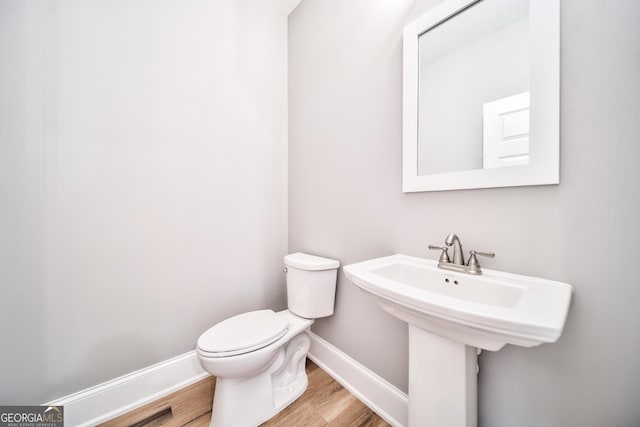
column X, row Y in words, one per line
column 458, row 256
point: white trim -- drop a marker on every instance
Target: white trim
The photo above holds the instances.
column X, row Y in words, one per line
column 110, row 399
column 378, row 394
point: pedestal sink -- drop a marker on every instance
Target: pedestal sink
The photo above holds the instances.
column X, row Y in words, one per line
column 452, row 316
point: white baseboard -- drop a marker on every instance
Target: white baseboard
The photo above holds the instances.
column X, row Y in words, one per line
column 113, row 398
column 110, row 399
column 385, row 399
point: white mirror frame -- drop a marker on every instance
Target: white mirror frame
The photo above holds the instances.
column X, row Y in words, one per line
column 544, row 160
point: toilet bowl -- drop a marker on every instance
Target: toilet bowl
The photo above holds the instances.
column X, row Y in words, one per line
column 259, row 357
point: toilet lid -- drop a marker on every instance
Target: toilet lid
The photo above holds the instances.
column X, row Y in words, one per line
column 243, row 333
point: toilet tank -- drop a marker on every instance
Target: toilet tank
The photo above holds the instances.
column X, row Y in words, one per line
column 311, row 284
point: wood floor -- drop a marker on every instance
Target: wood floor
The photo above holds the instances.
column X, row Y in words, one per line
column 324, row 403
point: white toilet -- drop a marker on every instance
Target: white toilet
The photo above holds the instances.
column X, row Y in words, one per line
column 259, row 357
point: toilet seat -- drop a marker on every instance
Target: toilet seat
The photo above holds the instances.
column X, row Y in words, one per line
column 242, row 334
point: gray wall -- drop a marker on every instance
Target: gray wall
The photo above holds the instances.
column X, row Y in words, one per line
column 142, row 182
column 345, row 201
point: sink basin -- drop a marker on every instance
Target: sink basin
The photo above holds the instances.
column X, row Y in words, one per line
column 486, row 311
column 451, row 315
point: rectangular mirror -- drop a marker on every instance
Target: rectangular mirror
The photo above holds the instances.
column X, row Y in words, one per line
column 481, row 95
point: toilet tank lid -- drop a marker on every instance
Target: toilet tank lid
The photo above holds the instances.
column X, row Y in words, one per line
column 310, row 262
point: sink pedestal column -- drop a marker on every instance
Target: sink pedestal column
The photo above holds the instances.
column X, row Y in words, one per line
column 443, row 382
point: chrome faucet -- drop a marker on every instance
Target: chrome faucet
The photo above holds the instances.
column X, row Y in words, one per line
column 458, row 256
column 458, row 264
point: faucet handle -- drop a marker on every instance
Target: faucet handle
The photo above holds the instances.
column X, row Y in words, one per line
column 444, row 255
column 473, row 259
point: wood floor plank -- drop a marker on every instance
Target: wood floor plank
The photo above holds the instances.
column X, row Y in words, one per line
column 303, row 415
column 357, row 415
column 321, row 388
column 335, row 404
column 202, row 421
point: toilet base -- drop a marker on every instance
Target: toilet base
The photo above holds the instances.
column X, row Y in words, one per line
column 251, row 400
